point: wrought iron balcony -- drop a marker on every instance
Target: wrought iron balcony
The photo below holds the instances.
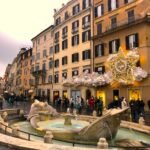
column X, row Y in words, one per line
column 39, row 73
column 123, row 24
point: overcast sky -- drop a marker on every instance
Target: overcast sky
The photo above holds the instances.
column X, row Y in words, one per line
column 20, row 21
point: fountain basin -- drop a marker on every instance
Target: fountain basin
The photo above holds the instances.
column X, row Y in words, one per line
column 58, row 124
column 43, row 117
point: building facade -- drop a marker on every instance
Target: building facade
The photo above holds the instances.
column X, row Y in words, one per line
column 26, row 61
column 122, row 23
column 72, row 46
column 12, row 76
column 42, row 63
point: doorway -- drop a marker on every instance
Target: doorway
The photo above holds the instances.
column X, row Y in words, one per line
column 101, row 95
column 88, row 94
column 75, row 93
column 115, row 94
column 134, row 94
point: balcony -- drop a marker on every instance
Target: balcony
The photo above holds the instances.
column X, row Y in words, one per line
column 122, row 24
column 86, row 25
column 75, row 30
column 38, row 73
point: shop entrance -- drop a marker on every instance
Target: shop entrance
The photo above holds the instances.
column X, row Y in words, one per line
column 88, row 94
column 101, row 95
column 115, row 94
column 65, row 94
column 75, row 93
column 134, row 94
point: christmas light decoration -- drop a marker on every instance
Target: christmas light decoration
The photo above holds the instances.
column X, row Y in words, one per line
column 121, row 69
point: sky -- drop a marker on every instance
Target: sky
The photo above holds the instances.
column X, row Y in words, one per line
column 20, row 21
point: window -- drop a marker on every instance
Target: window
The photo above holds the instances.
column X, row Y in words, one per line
column 57, row 48
column 75, row 26
column 56, row 63
column 86, row 21
column 32, row 69
column 37, row 80
column 44, row 66
column 64, row 60
column 76, row 9
column 132, row 41
column 99, row 10
column 86, row 54
column 86, row 36
column 75, row 73
column 128, row 1
column 75, row 57
column 99, row 50
column 57, row 35
column 51, row 50
column 112, row 4
column 37, row 68
column 64, row 75
column 66, row 15
column 43, row 79
column 58, row 21
column 50, row 79
column 56, row 78
column 114, row 46
column 86, row 4
column 131, row 16
column 114, row 22
column 44, row 53
column 75, row 40
column 64, row 44
column 64, row 31
column 99, row 28
column 100, row 69
column 50, row 64
column 37, row 56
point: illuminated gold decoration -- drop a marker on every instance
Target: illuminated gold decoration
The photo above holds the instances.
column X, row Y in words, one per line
column 123, row 67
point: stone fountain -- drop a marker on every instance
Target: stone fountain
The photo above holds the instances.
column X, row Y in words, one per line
column 85, row 129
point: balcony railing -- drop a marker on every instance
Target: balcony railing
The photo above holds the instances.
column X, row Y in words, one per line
column 39, row 73
column 86, row 25
column 75, row 30
column 123, row 24
column 129, row 21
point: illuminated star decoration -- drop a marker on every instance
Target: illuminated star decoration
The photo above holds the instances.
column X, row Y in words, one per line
column 122, row 66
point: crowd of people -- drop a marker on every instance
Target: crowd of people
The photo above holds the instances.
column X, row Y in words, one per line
column 79, row 104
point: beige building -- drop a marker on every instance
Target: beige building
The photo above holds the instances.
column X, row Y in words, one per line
column 72, row 46
column 122, row 23
column 63, row 51
column 26, row 62
column 12, row 77
column 42, row 63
